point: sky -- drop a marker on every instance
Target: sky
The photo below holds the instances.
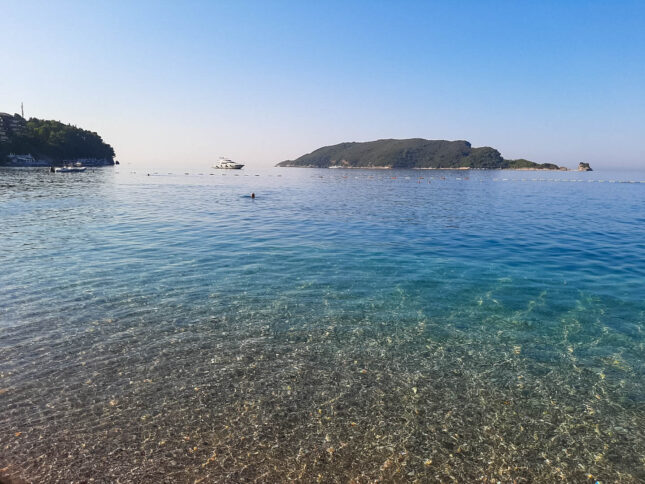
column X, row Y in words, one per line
column 180, row 83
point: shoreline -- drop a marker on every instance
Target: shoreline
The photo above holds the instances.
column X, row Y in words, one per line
column 44, row 163
column 460, row 168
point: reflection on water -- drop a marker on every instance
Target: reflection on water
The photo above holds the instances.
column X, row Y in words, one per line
column 344, row 325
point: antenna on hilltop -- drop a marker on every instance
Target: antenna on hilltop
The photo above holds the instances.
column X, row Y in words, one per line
column 22, row 110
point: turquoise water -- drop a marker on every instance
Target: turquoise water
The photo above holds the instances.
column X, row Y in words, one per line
column 346, row 324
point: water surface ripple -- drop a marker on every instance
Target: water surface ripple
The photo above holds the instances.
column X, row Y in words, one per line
column 346, row 325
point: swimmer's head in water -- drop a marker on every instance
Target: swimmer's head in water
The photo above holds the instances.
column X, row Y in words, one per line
column 252, row 195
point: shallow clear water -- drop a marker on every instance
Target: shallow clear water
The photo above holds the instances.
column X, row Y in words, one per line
column 345, row 324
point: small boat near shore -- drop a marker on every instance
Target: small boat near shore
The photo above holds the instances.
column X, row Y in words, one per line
column 75, row 168
column 226, row 164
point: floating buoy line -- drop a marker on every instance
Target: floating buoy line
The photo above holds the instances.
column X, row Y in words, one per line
column 403, row 179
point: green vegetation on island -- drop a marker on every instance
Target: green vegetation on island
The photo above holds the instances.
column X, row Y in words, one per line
column 411, row 153
column 43, row 141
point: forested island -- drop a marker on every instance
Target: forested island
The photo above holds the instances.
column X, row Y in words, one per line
column 412, row 153
column 39, row 142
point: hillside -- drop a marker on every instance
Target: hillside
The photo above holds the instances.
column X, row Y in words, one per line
column 411, row 153
column 49, row 142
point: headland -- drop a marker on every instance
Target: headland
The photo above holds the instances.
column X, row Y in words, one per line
column 38, row 142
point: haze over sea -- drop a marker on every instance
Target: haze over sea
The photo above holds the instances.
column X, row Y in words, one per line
column 346, row 324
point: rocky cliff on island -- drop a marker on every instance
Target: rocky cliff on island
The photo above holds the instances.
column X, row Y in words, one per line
column 38, row 142
column 412, row 153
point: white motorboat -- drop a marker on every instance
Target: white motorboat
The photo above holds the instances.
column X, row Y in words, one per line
column 226, row 164
column 76, row 167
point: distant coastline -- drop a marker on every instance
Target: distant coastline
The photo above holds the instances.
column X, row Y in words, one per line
column 416, row 153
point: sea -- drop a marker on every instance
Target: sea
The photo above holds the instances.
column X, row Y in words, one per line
column 342, row 326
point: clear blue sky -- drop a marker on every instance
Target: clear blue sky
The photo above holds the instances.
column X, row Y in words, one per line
column 263, row 81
